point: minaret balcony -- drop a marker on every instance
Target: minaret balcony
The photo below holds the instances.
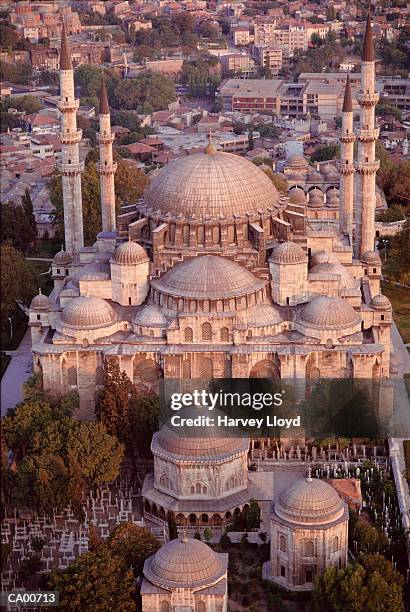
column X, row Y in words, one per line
column 73, row 137
column 106, row 168
column 68, row 106
column 347, row 137
column 368, row 99
column 368, row 167
column 346, row 168
column 70, row 169
column 106, row 138
column 366, row 135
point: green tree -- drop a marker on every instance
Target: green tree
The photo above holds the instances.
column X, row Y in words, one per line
column 19, row 73
column 95, row 581
column 279, row 182
column 324, row 153
column 369, row 586
column 28, row 209
column 251, row 144
column 133, row 544
column 17, row 227
column 17, row 282
column 26, row 104
column 208, row 534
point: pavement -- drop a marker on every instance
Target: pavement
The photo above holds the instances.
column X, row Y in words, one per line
column 400, row 351
column 18, row 371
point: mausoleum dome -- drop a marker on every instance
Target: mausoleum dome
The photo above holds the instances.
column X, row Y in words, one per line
column 88, row 313
column 40, row 302
column 288, row 253
column 309, row 501
column 210, row 185
column 184, row 563
column 380, row 302
column 371, row 258
column 62, row 258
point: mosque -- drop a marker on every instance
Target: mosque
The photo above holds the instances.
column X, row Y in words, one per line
column 213, row 273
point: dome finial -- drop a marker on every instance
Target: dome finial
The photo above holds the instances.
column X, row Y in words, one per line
column 39, row 291
column 183, row 536
column 309, row 475
column 210, row 148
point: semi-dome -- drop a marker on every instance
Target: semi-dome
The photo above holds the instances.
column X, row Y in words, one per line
column 210, row 185
column 347, row 281
column 88, row 313
column 40, row 302
column 263, row 315
column 288, row 253
column 211, row 446
column 184, row 563
column 372, row 258
column 323, row 257
column 94, row 272
column 380, row 302
column 151, row 316
column 314, row 176
column 327, row 312
column 62, row 258
column 329, row 170
column 130, row 253
column 310, row 501
column 296, row 161
column 208, row 277
column 316, row 198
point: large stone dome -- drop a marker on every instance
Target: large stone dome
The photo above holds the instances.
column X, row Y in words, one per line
column 213, row 445
column 329, row 312
column 208, row 277
column 347, row 281
column 88, row 313
column 210, row 185
column 310, row 501
column 184, row 563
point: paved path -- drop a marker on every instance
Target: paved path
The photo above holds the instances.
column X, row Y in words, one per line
column 18, row 370
column 400, row 351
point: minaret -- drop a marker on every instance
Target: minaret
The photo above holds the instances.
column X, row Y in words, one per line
column 367, row 135
column 106, row 167
column 346, row 166
column 70, row 165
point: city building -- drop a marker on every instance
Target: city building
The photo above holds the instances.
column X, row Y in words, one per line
column 236, row 63
column 269, row 56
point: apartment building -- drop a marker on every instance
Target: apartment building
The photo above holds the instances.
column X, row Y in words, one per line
column 269, row 56
column 237, row 63
column 263, row 33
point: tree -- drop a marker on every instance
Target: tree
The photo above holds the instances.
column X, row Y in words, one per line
column 133, row 544
column 93, row 455
column 279, row 182
column 316, row 40
column 208, row 534
column 17, row 227
column 28, row 209
column 26, row 104
column 95, row 581
column 19, row 73
column 17, row 282
column 225, row 540
column 324, row 153
column 251, row 144
column 172, row 526
column 372, row 585
column 128, row 412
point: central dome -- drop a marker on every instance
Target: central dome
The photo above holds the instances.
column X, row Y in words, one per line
column 184, row 562
column 326, row 312
column 208, row 277
column 211, row 185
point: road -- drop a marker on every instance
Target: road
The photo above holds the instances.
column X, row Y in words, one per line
column 18, row 370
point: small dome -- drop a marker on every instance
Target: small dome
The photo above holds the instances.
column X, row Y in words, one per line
column 130, row 253
column 62, row 258
column 298, row 195
column 88, row 313
column 211, row 446
column 323, row 257
column 151, row 316
column 329, row 170
column 288, row 253
column 346, row 279
column 310, row 501
column 371, row 258
column 326, row 312
column 314, row 176
column 94, row 271
column 315, row 198
column 40, row 302
column 208, row 277
column 380, row 302
column 295, row 161
column 184, row 563
column 263, row 315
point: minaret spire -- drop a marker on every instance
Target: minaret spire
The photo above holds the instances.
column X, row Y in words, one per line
column 70, row 165
column 367, row 134
column 106, row 166
column 346, row 166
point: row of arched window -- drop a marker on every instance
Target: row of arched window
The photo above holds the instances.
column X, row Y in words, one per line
column 308, row 546
column 206, row 333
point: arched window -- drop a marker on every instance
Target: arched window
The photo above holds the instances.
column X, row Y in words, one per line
column 186, row 369
column 205, row 368
column 164, row 606
column 283, row 543
column 192, row 519
column 185, row 234
column 192, row 490
column 206, row 331
column 188, row 334
column 309, row 549
column 224, row 334
column 198, row 488
column 164, row 481
column 204, row 518
column 335, row 544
